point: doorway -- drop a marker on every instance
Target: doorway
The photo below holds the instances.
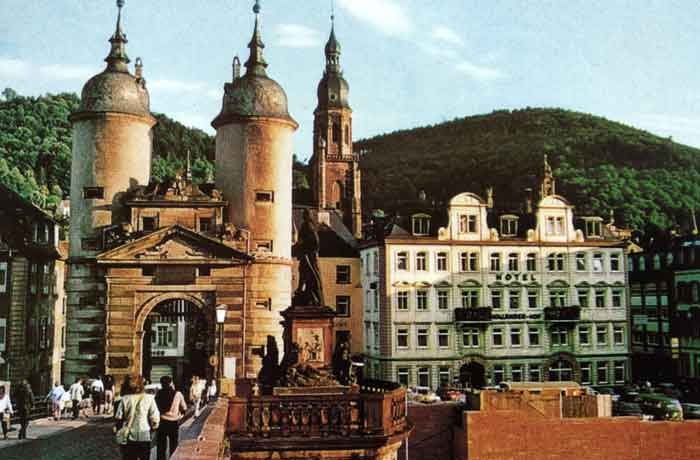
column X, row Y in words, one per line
column 472, row 375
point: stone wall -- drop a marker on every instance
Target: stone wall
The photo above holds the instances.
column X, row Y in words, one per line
column 432, row 437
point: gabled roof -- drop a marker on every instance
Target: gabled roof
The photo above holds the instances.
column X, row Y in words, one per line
column 174, row 244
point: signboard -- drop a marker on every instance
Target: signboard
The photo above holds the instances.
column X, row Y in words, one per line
column 521, row 277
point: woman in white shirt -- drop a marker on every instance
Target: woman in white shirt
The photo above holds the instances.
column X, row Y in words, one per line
column 5, row 411
column 138, row 415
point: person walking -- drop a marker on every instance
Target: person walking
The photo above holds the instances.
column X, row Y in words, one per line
column 5, row 411
column 109, row 393
column 137, row 416
column 171, row 404
column 24, row 397
column 55, row 396
column 211, row 393
column 196, row 394
column 76, row 395
column 98, row 391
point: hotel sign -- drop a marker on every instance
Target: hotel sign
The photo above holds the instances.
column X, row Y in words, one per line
column 521, row 277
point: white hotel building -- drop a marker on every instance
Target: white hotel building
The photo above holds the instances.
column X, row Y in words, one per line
column 534, row 299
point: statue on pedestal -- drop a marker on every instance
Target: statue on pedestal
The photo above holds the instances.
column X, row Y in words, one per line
column 310, row 291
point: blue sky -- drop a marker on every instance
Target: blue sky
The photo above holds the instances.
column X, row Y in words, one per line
column 409, row 62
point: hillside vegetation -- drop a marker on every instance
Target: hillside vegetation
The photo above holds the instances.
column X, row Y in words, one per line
column 599, row 165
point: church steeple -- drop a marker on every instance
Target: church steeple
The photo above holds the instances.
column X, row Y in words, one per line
column 117, row 60
column 256, row 64
column 333, row 51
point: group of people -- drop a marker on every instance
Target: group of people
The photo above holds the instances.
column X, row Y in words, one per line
column 98, row 393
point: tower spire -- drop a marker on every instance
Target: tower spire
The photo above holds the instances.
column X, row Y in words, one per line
column 117, row 60
column 256, row 64
column 332, row 47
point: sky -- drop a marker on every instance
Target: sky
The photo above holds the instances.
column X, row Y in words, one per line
column 408, row 62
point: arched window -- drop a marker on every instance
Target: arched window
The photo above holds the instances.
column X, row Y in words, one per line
column 336, row 133
column 531, row 263
column 347, row 134
column 560, row 371
column 421, row 261
column 513, row 260
column 338, row 195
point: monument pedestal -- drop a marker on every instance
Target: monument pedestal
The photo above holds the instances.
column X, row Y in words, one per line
column 311, row 328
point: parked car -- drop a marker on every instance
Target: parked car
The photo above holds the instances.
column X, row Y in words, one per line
column 425, row 395
column 661, row 407
column 630, row 396
column 624, row 408
column 691, row 411
column 668, row 389
column 449, row 394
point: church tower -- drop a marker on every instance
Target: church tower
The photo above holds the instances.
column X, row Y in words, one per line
column 254, row 171
column 111, row 154
column 336, row 169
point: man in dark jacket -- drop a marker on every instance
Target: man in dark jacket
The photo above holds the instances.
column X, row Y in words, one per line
column 24, row 399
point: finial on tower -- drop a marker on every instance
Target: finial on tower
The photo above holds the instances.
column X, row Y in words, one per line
column 117, row 59
column 236, row 67
column 256, row 7
column 256, row 62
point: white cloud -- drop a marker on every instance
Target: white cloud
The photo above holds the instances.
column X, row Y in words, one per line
column 66, row 72
column 447, row 35
column 439, row 51
column 386, row 15
column 14, row 68
column 297, row 36
column 477, row 72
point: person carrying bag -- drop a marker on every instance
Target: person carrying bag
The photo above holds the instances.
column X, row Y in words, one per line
column 139, row 417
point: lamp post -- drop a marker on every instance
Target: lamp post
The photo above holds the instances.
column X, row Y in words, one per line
column 220, row 320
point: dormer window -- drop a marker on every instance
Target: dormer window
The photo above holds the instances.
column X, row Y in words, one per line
column 467, row 223
column 555, row 225
column 594, row 227
column 509, row 225
column 420, row 224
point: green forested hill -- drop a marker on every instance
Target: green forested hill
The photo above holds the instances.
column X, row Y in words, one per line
column 35, row 146
column 599, row 165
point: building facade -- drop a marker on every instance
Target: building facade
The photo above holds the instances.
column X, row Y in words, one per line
column 486, row 298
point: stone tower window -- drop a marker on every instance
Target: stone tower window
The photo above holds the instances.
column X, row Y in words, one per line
column 347, row 134
column 264, row 196
column 336, row 133
column 93, row 193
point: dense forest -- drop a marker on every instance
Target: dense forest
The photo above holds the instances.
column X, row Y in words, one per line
column 599, row 165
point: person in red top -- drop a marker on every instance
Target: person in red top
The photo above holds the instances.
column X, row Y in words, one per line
column 171, row 404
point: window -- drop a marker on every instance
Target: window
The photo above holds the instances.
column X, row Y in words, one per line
column 205, row 224
column 444, row 375
column 335, row 133
column 652, row 338
column 498, row 373
column 516, row 372
column 615, row 262
column 593, row 228
column 470, row 338
column 421, row 264
column 148, row 224
column 3, row 276
column 264, row 196
column 402, row 300
column 204, row 271
column 473, row 264
column 617, row 297
column 533, row 334
column 3, row 333
column 560, row 371
column 514, row 299
column 497, row 337
column 443, row 337
column 421, row 300
column 515, row 338
column 149, row 270
column 532, row 298
column 422, row 337
column 601, row 335
column 46, row 279
column 495, row 262
column 443, row 302
column 496, row 296
column 559, row 336
column 555, row 225
column 619, row 335
column 368, row 336
column 33, row 278
column 602, row 372
column 582, row 295
column 597, row 262
column 266, row 304
column 423, row 377
column 421, row 225
column 581, row 262
column 619, row 371
column 467, row 223
column 513, row 262
column 535, row 374
column 402, row 261
column 584, row 335
column 638, row 338
column 402, row 375
column 93, row 193
column 442, row 261
column 464, row 262
column 531, row 262
column 470, row 298
column 401, row 337
column 600, row 298
column 586, row 373
column 342, row 305
column 509, row 226
column 555, row 262
column 164, row 336
column 342, row 274
column 557, row 297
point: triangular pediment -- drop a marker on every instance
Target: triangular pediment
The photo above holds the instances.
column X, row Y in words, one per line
column 173, row 244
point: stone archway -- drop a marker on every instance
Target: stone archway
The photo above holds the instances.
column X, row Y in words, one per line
column 472, row 371
column 557, row 361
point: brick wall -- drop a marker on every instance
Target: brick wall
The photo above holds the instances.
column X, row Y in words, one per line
column 432, row 437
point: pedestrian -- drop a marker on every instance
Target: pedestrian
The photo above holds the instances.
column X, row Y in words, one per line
column 76, row 395
column 24, row 397
column 137, row 416
column 65, row 403
column 5, row 411
column 109, row 393
column 171, row 404
column 98, row 391
column 55, row 396
column 196, row 394
column 212, row 391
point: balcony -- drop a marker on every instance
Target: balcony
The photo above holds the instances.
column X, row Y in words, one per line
column 473, row 315
column 562, row 314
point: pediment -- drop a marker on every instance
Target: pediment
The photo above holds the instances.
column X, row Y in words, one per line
column 173, row 244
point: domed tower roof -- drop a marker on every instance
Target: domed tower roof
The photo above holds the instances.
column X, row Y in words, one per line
column 333, row 89
column 115, row 89
column 254, row 94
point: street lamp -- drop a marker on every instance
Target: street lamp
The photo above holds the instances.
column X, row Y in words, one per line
column 220, row 320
